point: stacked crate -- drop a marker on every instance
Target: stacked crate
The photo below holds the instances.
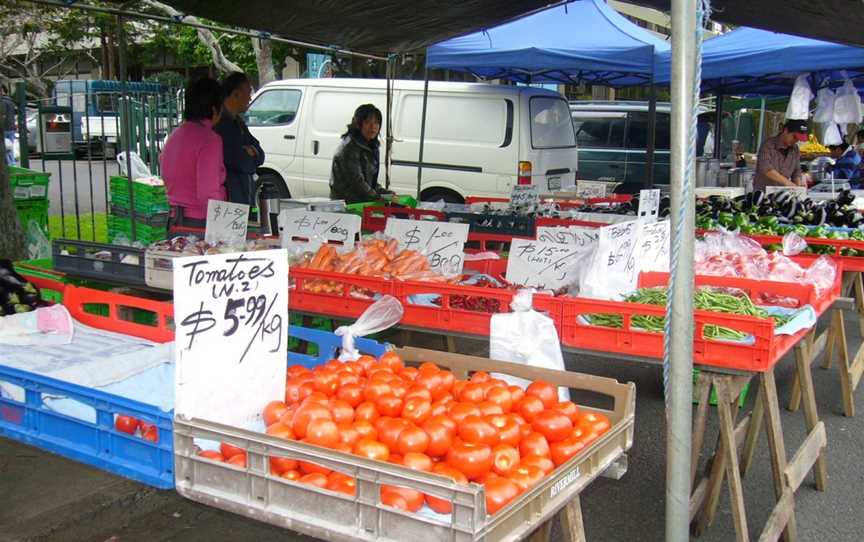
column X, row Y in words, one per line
column 151, row 210
column 30, row 191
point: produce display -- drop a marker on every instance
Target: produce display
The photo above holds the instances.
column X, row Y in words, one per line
column 374, row 258
column 813, row 146
column 778, row 213
column 193, row 246
column 135, row 427
column 479, row 430
column 706, row 299
column 17, row 295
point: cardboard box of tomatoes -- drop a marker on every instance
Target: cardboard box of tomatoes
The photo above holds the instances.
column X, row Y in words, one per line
column 415, row 445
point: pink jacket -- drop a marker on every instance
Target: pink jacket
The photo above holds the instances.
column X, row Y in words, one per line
column 192, row 167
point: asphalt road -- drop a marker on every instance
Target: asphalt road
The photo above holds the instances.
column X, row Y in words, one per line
column 49, row 498
column 71, row 187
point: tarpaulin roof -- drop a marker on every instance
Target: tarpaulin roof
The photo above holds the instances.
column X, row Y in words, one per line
column 753, row 61
column 380, row 27
column 584, row 41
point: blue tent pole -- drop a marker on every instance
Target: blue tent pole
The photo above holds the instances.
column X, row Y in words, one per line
column 761, row 132
column 718, row 126
column 652, row 128
column 422, row 132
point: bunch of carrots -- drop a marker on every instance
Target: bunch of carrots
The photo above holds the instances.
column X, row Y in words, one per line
column 371, row 258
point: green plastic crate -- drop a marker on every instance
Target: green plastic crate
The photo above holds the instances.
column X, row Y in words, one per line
column 148, row 199
column 712, row 399
column 33, row 210
column 28, row 184
column 118, row 225
column 357, row 208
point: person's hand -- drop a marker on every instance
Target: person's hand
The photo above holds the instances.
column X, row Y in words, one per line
column 251, row 151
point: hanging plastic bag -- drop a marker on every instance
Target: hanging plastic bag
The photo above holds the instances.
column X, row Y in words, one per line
column 824, row 106
column 793, row 244
column 38, row 245
column 832, row 135
column 799, row 101
column 528, row 337
column 381, row 315
column 139, row 168
column 847, row 104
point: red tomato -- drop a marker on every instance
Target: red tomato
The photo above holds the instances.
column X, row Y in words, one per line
column 594, row 422
column 412, row 439
column 309, row 468
column 292, row 391
column 341, row 411
column 126, row 424
column 529, row 407
column 389, row 405
column 472, row 392
column 508, row 430
column 365, row 363
column 341, row 483
column 365, row 429
column 372, row 449
column 585, row 435
column 504, row 459
column 417, row 461
column 396, row 459
column 353, row 367
column 333, row 365
column 228, row 451
column 516, row 393
column 440, row 505
column 306, row 389
column 534, row 444
column 295, row 371
column 382, row 374
column 307, row 413
column 489, row 408
column 280, row 430
column 442, row 406
column 278, row 465
column 544, row 391
column 273, row 411
column 474, row 460
column 417, row 410
column 347, row 434
column 212, row 455
column 238, row 460
column 488, row 476
column 316, row 397
column 366, row 411
column 326, row 381
column 316, row 479
column 291, row 475
column 288, row 417
column 428, row 367
column 460, row 411
column 418, row 392
column 375, row 389
column 476, row 430
column 563, row 450
column 389, row 430
column 351, row 394
column 399, row 388
column 149, row 432
column 392, row 361
column 409, row 374
column 447, row 380
column 432, row 382
column 440, row 436
column 403, row 498
column 552, row 424
column 500, row 396
column 526, row 476
column 480, row 377
column 499, row 493
column 569, row 409
column 543, row 463
column 322, row 433
column 344, row 448
column 347, row 377
column 458, row 386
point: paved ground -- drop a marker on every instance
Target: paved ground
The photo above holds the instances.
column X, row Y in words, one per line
column 49, row 498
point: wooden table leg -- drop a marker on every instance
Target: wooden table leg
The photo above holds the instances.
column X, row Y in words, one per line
column 752, row 433
column 572, row 525
column 703, row 393
column 776, row 445
column 727, row 433
column 836, row 324
column 811, row 415
column 541, row 533
column 859, row 301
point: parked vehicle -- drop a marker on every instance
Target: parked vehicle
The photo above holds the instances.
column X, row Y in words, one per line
column 480, row 139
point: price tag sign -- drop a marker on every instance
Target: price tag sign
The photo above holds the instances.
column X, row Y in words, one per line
column 799, row 192
column 311, row 228
column 652, row 248
column 613, row 269
column 580, row 236
column 649, row 205
column 226, row 223
column 547, row 266
column 442, row 242
column 524, row 196
column 231, row 314
column 590, row 189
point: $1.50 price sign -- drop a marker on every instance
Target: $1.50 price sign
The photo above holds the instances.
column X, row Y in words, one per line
column 312, row 228
column 581, row 236
column 652, row 247
column 547, row 266
column 231, row 314
column 524, row 195
column 442, row 242
column 613, row 269
column 226, row 223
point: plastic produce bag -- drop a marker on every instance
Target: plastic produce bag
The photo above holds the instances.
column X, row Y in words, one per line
column 824, row 106
column 528, row 337
column 847, row 104
column 381, row 315
column 793, row 244
column 38, row 245
column 799, row 101
column 832, row 135
column 139, row 168
column 46, row 326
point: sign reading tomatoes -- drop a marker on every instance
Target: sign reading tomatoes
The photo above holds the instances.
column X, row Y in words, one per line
column 231, row 314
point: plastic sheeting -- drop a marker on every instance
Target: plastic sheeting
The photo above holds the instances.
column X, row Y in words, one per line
column 584, row 41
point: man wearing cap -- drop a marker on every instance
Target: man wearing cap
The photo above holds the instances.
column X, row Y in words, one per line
column 779, row 161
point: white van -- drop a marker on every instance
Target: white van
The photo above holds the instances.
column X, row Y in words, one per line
column 480, row 139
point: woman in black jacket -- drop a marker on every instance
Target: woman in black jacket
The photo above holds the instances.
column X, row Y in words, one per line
column 354, row 176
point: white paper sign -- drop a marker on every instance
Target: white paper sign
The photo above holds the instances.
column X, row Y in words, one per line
column 652, row 248
column 581, row 236
column 590, row 189
column 613, row 270
column 312, row 228
column 799, row 192
column 442, row 242
column 547, row 266
column 524, row 195
column 226, row 223
column 649, row 205
column 231, row 314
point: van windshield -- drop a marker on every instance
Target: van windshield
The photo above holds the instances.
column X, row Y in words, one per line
column 551, row 125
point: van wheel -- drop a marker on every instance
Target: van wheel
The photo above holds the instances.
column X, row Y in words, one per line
column 273, row 184
column 436, row 194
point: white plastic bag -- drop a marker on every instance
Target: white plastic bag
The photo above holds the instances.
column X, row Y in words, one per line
column 799, row 101
column 824, row 106
column 832, row 135
column 383, row 314
column 38, row 245
column 793, row 244
column 139, row 168
column 847, row 104
column 525, row 336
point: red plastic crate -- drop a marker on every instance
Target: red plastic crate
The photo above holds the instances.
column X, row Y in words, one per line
column 375, row 218
column 75, row 298
column 347, row 302
column 495, row 268
column 549, row 221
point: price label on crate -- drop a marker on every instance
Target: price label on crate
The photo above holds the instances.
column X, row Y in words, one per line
column 524, row 195
column 442, row 242
column 590, row 189
column 649, row 205
column 613, row 269
column 652, row 248
column 231, row 318
column 799, row 192
column 543, row 265
column 226, row 223
column 580, row 236
column 312, row 228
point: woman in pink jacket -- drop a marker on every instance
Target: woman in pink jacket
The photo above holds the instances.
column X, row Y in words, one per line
column 192, row 165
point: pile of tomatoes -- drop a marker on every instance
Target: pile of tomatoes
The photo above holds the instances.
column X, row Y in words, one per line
column 480, row 430
column 139, row 428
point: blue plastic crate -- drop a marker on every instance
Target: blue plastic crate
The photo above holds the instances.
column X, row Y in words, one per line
column 100, row 444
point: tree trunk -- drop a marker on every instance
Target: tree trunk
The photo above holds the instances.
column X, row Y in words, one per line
column 13, row 246
column 264, row 60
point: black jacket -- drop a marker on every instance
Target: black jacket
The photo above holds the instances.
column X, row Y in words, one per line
column 354, row 176
column 10, row 112
column 239, row 166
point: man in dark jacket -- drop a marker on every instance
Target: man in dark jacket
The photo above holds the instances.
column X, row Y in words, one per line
column 10, row 118
column 242, row 152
